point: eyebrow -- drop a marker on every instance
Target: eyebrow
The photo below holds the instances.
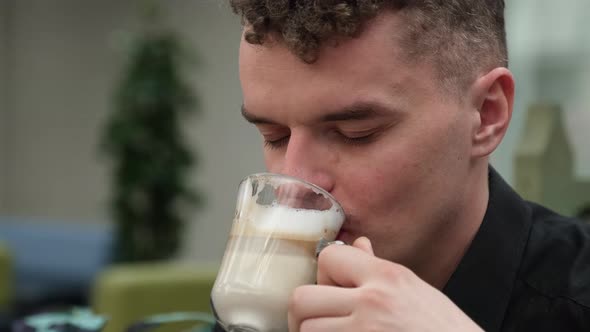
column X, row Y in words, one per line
column 254, row 119
column 355, row 111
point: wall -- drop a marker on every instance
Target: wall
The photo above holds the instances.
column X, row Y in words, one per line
column 3, row 99
column 61, row 71
column 67, row 55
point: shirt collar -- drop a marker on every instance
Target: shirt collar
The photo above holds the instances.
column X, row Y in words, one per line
column 482, row 283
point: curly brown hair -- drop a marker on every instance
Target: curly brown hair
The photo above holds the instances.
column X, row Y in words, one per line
column 461, row 37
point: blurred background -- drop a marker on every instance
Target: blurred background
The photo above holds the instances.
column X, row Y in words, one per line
column 63, row 65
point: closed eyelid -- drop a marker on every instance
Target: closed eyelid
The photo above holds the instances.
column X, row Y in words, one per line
column 359, row 127
column 364, row 127
column 358, row 133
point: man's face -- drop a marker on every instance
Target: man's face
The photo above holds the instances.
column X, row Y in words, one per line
column 380, row 135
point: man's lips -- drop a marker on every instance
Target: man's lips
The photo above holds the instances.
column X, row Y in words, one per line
column 344, row 235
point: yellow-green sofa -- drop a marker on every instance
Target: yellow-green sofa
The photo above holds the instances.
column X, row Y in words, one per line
column 5, row 279
column 128, row 293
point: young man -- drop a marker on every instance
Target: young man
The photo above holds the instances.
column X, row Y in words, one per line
column 394, row 107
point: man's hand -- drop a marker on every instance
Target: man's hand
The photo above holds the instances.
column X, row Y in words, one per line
column 358, row 292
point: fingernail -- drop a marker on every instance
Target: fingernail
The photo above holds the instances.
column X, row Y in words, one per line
column 370, row 244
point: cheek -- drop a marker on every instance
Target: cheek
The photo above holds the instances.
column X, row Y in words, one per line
column 272, row 161
column 377, row 187
column 396, row 177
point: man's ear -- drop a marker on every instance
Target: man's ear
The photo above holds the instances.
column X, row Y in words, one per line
column 493, row 98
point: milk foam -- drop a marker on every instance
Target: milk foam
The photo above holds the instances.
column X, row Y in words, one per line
column 291, row 223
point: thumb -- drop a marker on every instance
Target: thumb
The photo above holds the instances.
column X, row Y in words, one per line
column 364, row 244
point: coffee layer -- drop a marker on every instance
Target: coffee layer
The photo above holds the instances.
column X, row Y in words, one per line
column 257, row 278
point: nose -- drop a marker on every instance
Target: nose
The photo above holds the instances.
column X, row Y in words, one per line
column 307, row 158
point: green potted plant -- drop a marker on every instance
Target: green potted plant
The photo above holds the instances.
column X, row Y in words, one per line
column 143, row 138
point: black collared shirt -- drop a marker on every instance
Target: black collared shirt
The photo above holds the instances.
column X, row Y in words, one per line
column 527, row 269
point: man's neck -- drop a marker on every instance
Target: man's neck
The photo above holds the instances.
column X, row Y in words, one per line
column 451, row 241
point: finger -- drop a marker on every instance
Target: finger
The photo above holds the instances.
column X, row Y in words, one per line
column 344, row 266
column 312, row 301
column 364, row 244
column 325, row 324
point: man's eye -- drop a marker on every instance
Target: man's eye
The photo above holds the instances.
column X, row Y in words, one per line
column 276, row 143
column 357, row 139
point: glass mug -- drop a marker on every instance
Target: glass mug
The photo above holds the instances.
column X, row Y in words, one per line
column 280, row 223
